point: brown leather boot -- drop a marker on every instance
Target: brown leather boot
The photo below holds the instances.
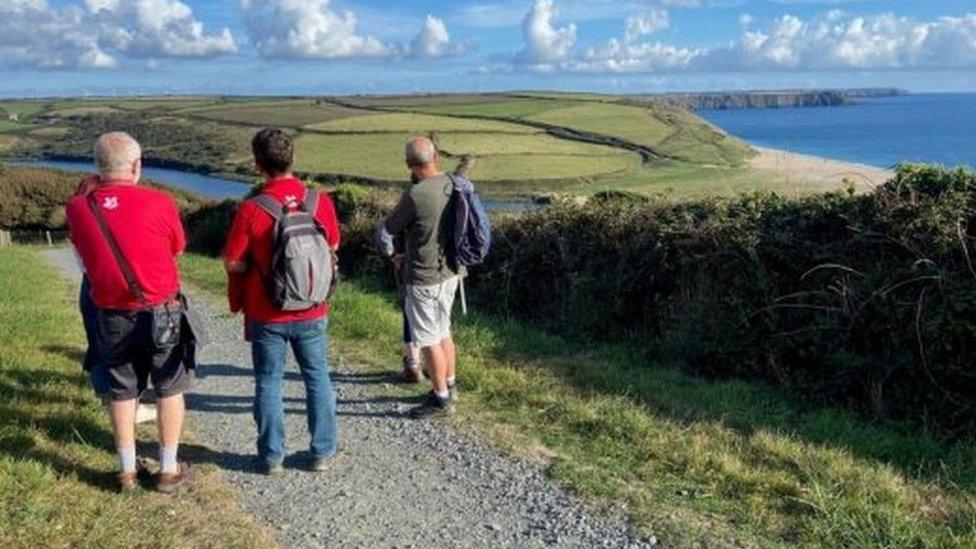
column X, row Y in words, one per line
column 128, row 481
column 168, row 483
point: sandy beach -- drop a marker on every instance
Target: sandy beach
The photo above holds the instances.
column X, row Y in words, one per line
column 818, row 169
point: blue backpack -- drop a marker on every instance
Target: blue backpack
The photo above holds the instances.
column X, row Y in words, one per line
column 470, row 236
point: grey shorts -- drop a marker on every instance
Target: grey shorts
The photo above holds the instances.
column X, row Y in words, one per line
column 131, row 358
column 428, row 311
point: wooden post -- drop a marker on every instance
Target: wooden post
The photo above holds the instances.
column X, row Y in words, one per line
column 47, row 234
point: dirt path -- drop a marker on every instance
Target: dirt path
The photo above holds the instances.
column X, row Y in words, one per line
column 395, row 483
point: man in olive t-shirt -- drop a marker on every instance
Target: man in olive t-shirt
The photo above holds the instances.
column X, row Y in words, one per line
column 431, row 283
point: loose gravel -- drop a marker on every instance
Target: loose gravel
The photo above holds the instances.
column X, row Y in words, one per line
column 396, row 482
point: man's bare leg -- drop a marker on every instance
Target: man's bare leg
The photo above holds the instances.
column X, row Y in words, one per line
column 124, row 432
column 447, row 344
column 171, row 411
column 437, row 360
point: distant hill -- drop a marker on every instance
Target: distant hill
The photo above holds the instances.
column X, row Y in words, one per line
column 774, row 99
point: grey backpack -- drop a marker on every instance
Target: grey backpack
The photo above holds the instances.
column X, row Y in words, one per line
column 303, row 265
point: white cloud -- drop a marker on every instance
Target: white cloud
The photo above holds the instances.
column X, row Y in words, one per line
column 311, row 29
column 638, row 26
column 307, row 29
column 100, row 34
column 837, row 40
column 157, row 28
column 746, row 20
column 434, row 40
column 545, row 43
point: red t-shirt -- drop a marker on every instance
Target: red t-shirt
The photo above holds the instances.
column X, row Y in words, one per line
column 251, row 240
column 146, row 224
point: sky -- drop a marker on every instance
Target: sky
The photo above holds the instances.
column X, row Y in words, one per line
column 304, row 47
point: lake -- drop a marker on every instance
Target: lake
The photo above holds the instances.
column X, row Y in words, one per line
column 932, row 128
column 200, row 184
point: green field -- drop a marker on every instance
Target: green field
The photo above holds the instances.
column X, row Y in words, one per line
column 277, row 113
column 418, row 124
column 523, row 144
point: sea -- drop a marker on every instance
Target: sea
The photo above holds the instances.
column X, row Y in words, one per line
column 883, row 132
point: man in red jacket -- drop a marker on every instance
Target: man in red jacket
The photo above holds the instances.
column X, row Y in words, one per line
column 248, row 260
column 128, row 238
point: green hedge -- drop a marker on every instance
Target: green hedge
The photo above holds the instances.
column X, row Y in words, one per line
column 864, row 300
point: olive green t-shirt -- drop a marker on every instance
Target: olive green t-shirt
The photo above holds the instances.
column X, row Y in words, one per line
column 420, row 218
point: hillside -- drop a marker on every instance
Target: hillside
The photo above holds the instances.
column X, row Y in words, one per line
column 515, row 139
column 523, row 144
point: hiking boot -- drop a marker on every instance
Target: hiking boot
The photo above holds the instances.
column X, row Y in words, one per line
column 433, row 406
column 410, row 375
column 168, row 483
column 128, row 481
column 320, row 464
column 131, row 481
column 272, row 469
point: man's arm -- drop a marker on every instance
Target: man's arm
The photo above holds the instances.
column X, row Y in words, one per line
column 326, row 215
column 238, row 244
column 177, row 234
column 400, row 218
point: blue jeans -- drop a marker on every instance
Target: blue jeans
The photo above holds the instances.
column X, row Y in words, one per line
column 269, row 344
column 93, row 363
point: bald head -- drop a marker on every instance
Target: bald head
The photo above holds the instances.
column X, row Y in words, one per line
column 421, row 152
column 117, row 156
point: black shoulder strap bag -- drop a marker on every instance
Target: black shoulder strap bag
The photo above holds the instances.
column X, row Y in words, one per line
column 173, row 322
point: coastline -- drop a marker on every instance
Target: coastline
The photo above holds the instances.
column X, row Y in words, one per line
column 818, row 169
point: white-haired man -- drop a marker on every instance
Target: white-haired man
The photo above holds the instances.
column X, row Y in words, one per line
column 128, row 238
column 431, row 282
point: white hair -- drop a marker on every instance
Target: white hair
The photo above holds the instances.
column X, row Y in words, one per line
column 116, row 152
column 421, row 152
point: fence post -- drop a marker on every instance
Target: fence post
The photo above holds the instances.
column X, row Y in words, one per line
column 50, row 242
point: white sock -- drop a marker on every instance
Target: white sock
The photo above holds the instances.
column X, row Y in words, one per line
column 451, row 381
column 127, row 458
column 167, row 458
column 443, row 394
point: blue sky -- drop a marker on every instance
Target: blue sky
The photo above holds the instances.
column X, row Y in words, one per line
column 69, row 47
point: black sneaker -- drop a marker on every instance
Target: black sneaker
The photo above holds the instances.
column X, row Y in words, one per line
column 433, row 406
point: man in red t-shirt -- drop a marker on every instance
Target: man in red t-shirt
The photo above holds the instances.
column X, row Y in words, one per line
column 248, row 260
column 128, row 238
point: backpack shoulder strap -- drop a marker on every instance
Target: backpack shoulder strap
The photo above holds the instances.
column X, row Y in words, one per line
column 267, row 203
column 113, row 244
column 311, row 204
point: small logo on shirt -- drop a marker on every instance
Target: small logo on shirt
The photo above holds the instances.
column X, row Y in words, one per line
column 111, row 202
column 291, row 200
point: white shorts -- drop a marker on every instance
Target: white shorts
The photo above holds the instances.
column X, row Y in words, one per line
column 428, row 310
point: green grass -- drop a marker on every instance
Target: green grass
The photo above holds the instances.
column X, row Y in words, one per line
column 56, row 466
column 24, row 109
column 698, row 463
column 418, row 124
column 380, row 156
column 509, row 109
column 634, row 124
column 481, row 144
column 8, row 126
column 284, row 113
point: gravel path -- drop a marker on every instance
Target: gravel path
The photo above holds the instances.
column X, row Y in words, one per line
column 396, row 482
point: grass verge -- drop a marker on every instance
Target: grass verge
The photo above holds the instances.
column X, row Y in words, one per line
column 696, row 462
column 56, row 467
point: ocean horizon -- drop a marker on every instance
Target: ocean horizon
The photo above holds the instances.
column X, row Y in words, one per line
column 934, row 128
